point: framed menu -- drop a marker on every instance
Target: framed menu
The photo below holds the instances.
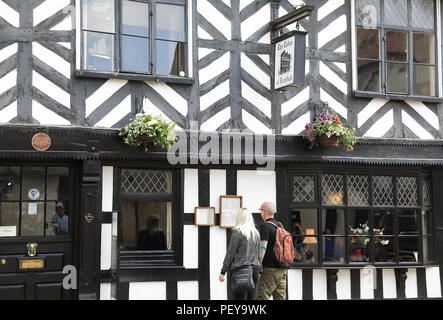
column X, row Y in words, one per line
column 229, row 206
column 204, row 216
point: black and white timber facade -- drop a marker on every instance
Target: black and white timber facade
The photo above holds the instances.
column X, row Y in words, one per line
column 45, row 86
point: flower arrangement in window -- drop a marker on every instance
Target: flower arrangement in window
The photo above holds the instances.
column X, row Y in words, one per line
column 328, row 130
column 360, row 240
column 361, row 236
column 145, row 129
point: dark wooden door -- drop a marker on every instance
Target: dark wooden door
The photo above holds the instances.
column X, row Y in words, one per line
column 38, row 205
column 21, row 276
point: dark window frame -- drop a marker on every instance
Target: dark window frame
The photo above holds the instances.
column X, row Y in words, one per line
column 382, row 27
column 137, row 259
column 319, row 206
column 47, row 216
column 117, row 73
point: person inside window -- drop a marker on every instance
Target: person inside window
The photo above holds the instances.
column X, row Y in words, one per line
column 332, row 251
column 59, row 220
column 151, row 238
column 297, row 239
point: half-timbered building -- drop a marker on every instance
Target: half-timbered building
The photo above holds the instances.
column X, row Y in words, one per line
column 74, row 72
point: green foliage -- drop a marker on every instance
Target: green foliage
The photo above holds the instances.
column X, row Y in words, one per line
column 153, row 126
column 330, row 125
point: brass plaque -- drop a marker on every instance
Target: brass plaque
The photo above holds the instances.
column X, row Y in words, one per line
column 32, row 264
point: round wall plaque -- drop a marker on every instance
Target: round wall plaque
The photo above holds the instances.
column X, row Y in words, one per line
column 41, row 141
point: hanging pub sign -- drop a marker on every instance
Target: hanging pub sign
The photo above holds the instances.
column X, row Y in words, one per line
column 290, row 58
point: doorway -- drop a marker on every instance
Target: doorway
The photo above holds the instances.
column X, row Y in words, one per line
column 37, row 228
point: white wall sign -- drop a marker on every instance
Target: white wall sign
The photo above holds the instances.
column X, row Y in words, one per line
column 8, row 231
column 284, row 62
column 289, row 60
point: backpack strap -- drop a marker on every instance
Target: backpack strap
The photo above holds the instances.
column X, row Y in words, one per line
column 274, row 224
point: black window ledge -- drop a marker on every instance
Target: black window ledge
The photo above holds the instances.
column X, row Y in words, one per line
column 133, row 76
column 363, row 94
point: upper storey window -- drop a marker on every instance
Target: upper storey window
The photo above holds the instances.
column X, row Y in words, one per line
column 135, row 37
column 396, row 47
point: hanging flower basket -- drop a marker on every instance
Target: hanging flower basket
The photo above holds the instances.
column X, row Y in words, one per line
column 324, row 141
column 145, row 138
column 145, row 130
column 328, row 130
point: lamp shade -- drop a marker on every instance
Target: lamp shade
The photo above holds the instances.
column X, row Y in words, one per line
column 310, row 232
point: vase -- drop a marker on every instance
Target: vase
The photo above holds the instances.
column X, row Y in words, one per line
column 324, row 141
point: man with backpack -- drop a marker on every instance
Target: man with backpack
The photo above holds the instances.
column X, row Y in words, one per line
column 277, row 251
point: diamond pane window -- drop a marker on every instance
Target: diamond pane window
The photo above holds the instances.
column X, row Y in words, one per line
column 303, row 189
column 383, row 191
column 427, row 192
column 422, row 14
column 368, row 12
column 396, row 12
column 332, row 189
column 407, row 194
column 146, row 181
column 358, row 190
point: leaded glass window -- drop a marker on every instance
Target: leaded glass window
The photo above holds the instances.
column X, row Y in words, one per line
column 361, row 217
column 303, row 189
column 332, row 189
column 146, row 181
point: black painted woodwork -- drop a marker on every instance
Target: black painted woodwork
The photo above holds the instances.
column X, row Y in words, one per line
column 90, row 231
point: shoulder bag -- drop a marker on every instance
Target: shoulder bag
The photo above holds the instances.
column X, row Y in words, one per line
column 241, row 279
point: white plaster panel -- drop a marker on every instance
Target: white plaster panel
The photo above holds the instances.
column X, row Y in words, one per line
column 217, row 187
column 433, row 284
column 256, row 187
column 217, row 252
column 105, row 291
column 190, row 247
column 107, row 188
column 187, row 290
column 319, row 285
column 367, row 284
column 147, row 291
column 343, row 285
column 411, row 289
column 389, row 284
column 295, row 284
column 106, row 246
column 191, row 190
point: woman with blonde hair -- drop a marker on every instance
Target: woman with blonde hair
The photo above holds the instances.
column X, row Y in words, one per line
column 243, row 250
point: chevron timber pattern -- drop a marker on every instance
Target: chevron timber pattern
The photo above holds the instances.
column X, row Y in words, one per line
column 229, row 59
column 36, row 65
column 233, row 64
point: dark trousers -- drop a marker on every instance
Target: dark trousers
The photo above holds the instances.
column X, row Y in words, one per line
column 249, row 295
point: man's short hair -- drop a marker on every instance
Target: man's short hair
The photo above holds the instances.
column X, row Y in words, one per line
column 269, row 208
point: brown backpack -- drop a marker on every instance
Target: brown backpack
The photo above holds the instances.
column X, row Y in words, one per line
column 283, row 248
